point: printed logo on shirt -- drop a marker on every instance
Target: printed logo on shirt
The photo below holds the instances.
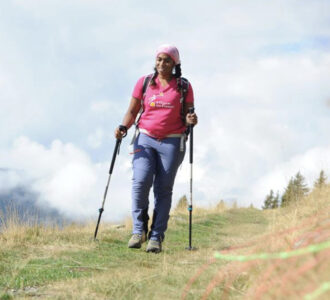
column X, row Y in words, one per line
column 152, row 98
column 161, row 104
column 153, row 102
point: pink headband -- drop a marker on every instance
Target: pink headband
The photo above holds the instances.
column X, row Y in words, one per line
column 171, row 51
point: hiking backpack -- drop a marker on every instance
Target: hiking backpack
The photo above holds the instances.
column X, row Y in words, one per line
column 184, row 91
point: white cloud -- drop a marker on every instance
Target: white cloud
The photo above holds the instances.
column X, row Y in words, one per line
column 94, row 140
column 309, row 164
column 9, row 179
column 101, row 106
column 64, row 177
column 260, row 73
column 256, row 117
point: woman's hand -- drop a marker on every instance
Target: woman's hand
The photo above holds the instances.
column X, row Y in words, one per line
column 120, row 132
column 191, row 119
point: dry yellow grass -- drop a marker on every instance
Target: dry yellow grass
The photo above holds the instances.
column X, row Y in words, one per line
column 66, row 263
column 292, row 228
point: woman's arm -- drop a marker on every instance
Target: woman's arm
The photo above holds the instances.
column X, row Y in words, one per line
column 129, row 118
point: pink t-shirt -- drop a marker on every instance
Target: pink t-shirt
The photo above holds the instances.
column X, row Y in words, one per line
column 162, row 108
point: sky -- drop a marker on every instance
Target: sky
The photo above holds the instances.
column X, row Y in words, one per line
column 260, row 71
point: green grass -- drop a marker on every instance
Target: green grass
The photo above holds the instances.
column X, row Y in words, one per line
column 43, row 259
column 52, row 263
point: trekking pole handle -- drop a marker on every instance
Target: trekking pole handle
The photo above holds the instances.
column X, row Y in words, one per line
column 123, row 129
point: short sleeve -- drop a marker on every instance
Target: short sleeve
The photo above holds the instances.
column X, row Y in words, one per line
column 190, row 94
column 137, row 92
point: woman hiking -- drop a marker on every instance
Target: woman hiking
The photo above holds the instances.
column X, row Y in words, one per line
column 159, row 145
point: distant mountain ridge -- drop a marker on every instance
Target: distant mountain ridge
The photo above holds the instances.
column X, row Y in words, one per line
column 22, row 203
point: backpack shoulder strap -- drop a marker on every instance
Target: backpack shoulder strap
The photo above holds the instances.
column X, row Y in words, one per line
column 146, row 83
column 185, row 84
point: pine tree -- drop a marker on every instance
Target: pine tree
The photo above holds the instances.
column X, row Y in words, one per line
column 288, row 195
column 221, row 205
column 182, row 203
column 276, row 201
column 300, row 186
column 269, row 200
column 296, row 189
column 321, row 181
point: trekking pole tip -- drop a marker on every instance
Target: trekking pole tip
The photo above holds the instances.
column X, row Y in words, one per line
column 191, row 248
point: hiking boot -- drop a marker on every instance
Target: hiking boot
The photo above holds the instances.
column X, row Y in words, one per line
column 154, row 246
column 136, row 240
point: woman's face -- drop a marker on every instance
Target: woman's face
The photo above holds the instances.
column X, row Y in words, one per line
column 164, row 64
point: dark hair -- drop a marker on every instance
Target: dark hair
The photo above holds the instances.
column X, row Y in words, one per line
column 153, row 78
column 177, row 74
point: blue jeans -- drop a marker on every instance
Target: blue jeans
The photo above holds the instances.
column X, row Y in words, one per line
column 155, row 162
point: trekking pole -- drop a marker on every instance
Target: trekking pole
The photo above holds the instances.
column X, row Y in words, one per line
column 115, row 153
column 190, row 206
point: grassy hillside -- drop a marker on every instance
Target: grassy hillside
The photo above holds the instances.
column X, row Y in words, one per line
column 53, row 263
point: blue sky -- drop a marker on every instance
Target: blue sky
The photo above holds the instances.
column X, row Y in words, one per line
column 260, row 72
